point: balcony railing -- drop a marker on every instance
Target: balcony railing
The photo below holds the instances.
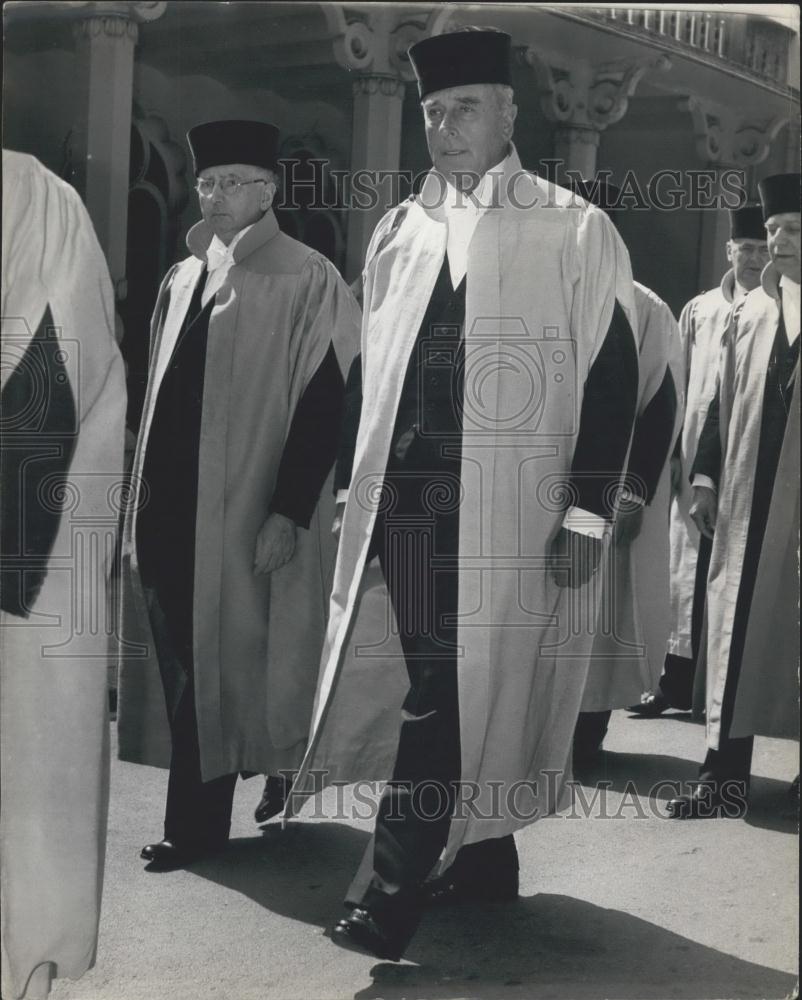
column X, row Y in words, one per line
column 750, row 42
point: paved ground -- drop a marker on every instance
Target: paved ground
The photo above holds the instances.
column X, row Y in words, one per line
column 634, row 907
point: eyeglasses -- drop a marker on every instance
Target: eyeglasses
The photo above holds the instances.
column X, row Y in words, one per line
column 228, row 185
column 751, row 249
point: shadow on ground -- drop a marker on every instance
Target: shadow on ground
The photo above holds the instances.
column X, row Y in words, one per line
column 672, row 715
column 653, row 779
column 550, row 946
column 547, row 945
column 301, row 872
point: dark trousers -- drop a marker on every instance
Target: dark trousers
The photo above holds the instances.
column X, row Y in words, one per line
column 731, row 762
column 589, row 733
column 197, row 812
column 412, row 824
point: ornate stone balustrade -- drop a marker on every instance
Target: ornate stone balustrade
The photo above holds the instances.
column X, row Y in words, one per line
column 752, row 43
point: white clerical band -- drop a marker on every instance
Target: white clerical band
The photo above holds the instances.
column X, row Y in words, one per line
column 700, row 480
column 583, row 522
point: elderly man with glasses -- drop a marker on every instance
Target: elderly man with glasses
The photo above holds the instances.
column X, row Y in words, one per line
column 227, row 548
column 745, row 480
column 702, row 324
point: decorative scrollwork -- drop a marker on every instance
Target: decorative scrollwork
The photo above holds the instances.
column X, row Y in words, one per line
column 354, row 48
column 558, row 95
column 708, row 130
column 752, row 142
column 608, row 97
column 404, row 36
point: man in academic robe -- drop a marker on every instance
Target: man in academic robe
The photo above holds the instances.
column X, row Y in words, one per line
column 227, row 546
column 633, row 623
column 498, row 385
column 61, row 464
column 746, row 499
column 702, row 324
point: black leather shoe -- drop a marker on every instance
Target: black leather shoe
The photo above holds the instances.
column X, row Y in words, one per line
column 452, row 887
column 361, row 931
column 273, row 799
column 167, row 856
column 727, row 800
column 652, row 704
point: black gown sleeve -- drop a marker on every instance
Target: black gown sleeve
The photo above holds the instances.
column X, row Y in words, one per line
column 605, row 424
column 708, row 452
column 38, row 443
column 311, row 445
column 350, row 426
column 651, row 440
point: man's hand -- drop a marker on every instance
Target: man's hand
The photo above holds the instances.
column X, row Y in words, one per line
column 574, row 558
column 628, row 525
column 275, row 544
column 704, row 509
column 337, row 523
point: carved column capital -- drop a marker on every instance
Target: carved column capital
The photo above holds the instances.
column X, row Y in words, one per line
column 401, row 39
column 96, row 26
column 370, row 84
column 587, row 95
column 709, row 132
column 613, row 86
column 723, row 136
column 374, row 42
column 114, row 20
column 557, row 89
column 752, row 140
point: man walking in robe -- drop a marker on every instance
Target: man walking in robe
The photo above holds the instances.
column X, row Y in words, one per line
column 227, row 546
column 702, row 324
column 746, row 499
column 63, row 408
column 499, row 380
column 633, row 623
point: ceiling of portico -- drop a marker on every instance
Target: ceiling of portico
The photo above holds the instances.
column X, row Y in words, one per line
column 288, row 47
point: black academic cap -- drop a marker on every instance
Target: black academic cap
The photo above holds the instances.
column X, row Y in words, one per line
column 747, row 223
column 779, row 193
column 459, row 58
column 233, row 141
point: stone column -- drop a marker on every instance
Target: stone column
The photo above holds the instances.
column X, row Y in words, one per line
column 713, row 236
column 105, row 37
column 375, row 146
column 577, row 147
column 584, row 99
column 372, row 45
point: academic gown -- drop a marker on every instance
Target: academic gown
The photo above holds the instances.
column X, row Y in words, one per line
column 226, row 385
column 634, row 618
column 750, row 447
column 702, row 324
column 63, row 401
column 544, row 274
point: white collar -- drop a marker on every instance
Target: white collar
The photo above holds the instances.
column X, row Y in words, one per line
column 481, row 198
column 790, row 307
column 433, row 195
column 218, row 253
column 789, row 287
